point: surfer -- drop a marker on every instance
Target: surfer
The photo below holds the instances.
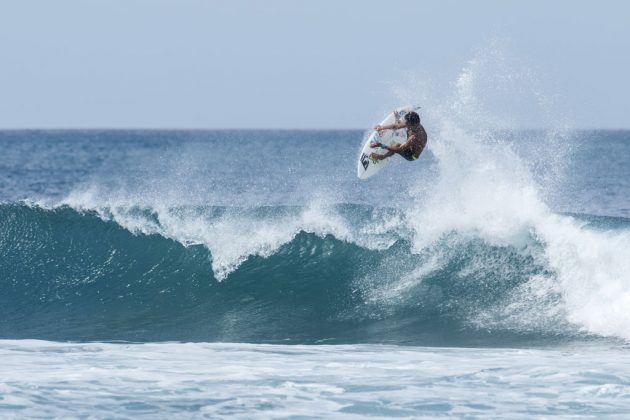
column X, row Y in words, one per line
column 416, row 139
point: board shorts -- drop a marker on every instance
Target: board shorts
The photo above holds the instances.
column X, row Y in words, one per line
column 407, row 154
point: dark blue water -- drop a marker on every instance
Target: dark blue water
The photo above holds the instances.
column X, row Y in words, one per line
column 269, row 237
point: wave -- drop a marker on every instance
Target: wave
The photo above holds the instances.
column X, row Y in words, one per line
column 72, row 274
column 470, row 253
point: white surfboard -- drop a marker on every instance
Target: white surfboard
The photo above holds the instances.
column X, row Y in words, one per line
column 366, row 166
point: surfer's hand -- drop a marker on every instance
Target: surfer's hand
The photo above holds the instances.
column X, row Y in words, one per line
column 379, row 128
column 375, row 144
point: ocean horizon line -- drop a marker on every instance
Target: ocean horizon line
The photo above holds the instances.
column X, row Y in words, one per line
column 224, row 129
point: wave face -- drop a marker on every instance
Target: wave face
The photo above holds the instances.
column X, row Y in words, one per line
column 81, row 275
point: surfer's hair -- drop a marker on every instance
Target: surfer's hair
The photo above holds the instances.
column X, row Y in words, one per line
column 412, row 118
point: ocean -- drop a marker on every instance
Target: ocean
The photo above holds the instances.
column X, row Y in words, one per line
column 249, row 273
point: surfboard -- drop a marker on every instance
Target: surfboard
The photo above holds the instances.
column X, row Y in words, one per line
column 366, row 166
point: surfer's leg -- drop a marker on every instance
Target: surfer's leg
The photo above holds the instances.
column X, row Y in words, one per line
column 383, row 156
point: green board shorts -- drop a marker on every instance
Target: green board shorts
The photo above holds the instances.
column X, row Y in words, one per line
column 407, row 154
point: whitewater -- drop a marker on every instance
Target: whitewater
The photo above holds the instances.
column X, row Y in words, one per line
column 164, row 273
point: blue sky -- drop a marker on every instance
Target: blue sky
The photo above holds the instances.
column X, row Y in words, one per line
column 289, row 63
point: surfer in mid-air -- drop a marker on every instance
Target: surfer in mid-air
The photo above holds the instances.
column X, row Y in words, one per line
column 416, row 139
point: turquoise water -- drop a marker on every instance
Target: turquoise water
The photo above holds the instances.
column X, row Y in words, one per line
column 488, row 278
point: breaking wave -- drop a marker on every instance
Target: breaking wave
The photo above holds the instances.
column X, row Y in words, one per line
column 344, row 273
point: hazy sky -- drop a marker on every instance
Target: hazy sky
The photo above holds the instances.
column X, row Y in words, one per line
column 291, row 64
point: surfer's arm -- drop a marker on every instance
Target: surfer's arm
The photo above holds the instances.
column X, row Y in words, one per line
column 394, row 126
column 391, row 150
column 394, row 148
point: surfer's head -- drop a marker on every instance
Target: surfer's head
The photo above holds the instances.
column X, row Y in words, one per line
column 412, row 118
